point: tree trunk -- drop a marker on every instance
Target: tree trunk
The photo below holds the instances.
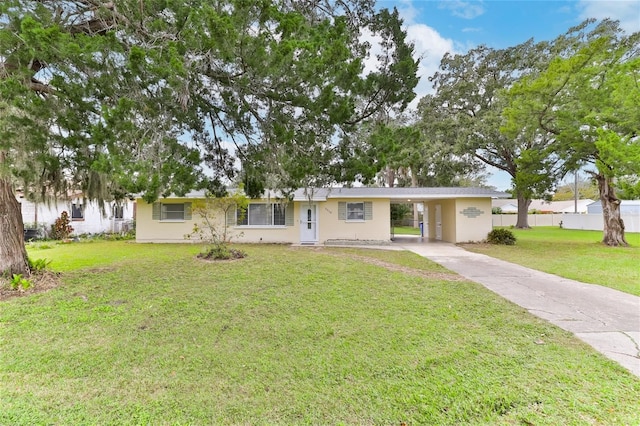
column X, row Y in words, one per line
column 523, row 212
column 391, row 177
column 613, row 224
column 13, row 255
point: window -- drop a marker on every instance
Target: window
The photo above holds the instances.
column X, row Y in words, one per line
column 278, row 215
column 77, row 212
column 118, row 212
column 262, row 214
column 242, row 216
column 172, row 211
column 355, row 211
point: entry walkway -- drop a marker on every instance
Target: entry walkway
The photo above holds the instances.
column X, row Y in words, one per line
column 606, row 319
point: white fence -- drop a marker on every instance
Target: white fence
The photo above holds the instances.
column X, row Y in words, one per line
column 534, row 219
column 596, row 223
column 592, row 222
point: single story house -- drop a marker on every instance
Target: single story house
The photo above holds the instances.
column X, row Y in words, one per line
column 327, row 215
column 506, row 206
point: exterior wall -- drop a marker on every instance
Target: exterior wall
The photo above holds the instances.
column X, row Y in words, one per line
column 473, row 219
column 156, row 231
column 329, row 226
column 462, row 219
column 149, row 230
column 332, row 228
column 94, row 222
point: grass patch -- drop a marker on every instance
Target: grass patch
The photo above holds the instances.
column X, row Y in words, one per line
column 573, row 254
column 289, row 336
column 405, row 230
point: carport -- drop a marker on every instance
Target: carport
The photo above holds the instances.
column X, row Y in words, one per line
column 454, row 215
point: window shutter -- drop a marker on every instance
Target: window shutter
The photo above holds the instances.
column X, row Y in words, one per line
column 342, row 211
column 231, row 216
column 288, row 214
column 368, row 210
column 157, row 208
column 187, row 211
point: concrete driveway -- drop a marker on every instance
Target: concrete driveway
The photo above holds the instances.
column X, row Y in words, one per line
column 606, row 319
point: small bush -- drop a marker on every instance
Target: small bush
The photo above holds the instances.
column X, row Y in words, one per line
column 501, row 236
column 61, row 229
column 222, row 252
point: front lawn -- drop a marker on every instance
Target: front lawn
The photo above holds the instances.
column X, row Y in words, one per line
column 574, row 254
column 148, row 334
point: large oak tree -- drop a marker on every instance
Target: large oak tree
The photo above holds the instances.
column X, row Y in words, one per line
column 467, row 109
column 140, row 96
column 588, row 99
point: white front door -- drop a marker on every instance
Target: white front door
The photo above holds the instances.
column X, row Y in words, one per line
column 438, row 222
column 308, row 224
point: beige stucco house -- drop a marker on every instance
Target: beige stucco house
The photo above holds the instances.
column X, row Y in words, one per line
column 328, row 215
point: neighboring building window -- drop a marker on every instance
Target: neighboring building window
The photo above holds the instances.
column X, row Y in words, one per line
column 118, row 212
column 262, row 214
column 77, row 211
column 355, row 211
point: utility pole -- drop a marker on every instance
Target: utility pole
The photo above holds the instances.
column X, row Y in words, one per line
column 575, row 193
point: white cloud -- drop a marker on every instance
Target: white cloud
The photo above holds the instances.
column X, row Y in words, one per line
column 463, row 9
column 625, row 11
column 431, row 47
column 408, row 11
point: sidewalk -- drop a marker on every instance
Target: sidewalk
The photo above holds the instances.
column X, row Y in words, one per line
column 606, row 319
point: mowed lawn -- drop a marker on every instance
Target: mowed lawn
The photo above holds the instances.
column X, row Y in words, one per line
column 148, row 334
column 575, row 254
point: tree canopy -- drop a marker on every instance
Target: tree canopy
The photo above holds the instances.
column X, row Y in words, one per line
column 151, row 97
column 135, row 91
column 468, row 105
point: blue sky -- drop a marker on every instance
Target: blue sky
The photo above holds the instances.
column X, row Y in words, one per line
column 440, row 26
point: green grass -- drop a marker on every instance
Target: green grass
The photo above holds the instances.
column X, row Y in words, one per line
column 148, row 334
column 405, row 230
column 574, row 254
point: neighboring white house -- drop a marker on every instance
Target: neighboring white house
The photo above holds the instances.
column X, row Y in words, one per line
column 328, row 215
column 569, row 206
column 626, row 207
column 506, row 206
column 86, row 217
